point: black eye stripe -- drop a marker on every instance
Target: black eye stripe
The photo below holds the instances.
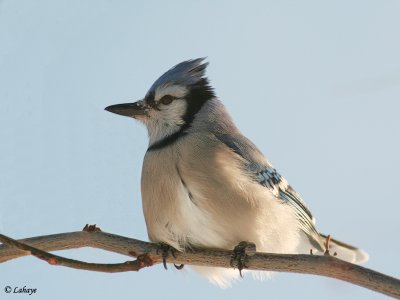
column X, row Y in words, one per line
column 149, row 100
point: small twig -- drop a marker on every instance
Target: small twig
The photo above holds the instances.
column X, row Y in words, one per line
column 91, row 228
column 327, row 244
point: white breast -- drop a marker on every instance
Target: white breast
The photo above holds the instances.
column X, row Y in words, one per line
column 199, row 196
column 170, row 209
column 224, row 208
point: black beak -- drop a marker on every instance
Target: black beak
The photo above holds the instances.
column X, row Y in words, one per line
column 128, row 109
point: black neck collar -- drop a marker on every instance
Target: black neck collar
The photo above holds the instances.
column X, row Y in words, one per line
column 199, row 94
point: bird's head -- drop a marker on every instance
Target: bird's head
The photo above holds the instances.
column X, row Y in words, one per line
column 172, row 102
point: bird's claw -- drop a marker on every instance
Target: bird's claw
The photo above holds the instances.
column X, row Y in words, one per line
column 240, row 255
column 167, row 250
column 179, row 267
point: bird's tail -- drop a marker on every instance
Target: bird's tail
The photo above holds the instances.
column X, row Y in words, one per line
column 345, row 251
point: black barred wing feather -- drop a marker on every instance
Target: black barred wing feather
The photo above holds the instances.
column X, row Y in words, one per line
column 266, row 175
column 278, row 185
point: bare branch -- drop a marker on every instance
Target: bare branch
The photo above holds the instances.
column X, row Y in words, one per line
column 147, row 255
column 142, row 261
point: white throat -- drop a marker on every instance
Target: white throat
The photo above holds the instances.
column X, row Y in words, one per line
column 166, row 121
column 159, row 132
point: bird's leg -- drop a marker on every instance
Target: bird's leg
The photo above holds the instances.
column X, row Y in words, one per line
column 240, row 255
column 167, row 250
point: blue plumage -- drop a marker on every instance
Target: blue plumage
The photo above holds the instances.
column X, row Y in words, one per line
column 185, row 73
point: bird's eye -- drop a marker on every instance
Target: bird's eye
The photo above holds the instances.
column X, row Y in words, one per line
column 167, row 99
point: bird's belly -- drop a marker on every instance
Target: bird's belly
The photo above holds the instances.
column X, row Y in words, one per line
column 205, row 209
column 184, row 221
column 174, row 217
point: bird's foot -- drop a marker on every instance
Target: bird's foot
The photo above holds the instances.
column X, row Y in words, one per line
column 167, row 250
column 240, row 255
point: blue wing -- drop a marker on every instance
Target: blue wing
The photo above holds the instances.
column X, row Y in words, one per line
column 267, row 176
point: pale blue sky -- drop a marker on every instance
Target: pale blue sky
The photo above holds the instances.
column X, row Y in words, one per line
column 315, row 84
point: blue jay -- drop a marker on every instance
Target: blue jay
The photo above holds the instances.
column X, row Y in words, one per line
column 204, row 184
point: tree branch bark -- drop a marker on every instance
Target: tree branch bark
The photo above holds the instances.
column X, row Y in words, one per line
column 147, row 255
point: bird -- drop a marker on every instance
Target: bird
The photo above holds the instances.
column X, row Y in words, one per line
column 204, row 184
